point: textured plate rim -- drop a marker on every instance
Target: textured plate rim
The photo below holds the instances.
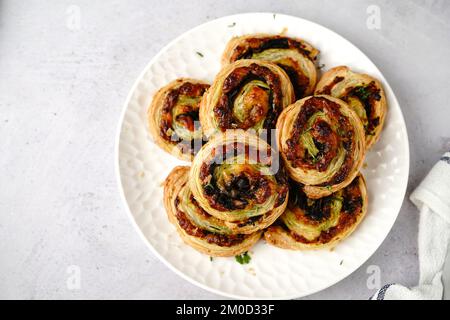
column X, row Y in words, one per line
column 161, row 257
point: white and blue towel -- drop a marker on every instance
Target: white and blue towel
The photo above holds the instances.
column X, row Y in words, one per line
column 432, row 198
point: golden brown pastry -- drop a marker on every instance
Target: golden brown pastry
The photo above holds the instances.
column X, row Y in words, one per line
column 320, row 223
column 173, row 117
column 363, row 93
column 295, row 56
column 247, row 94
column 322, row 143
column 217, row 243
column 236, row 176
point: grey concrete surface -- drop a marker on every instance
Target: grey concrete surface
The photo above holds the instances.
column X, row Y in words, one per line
column 61, row 94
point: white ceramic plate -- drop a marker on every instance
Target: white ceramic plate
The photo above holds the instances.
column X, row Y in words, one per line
column 273, row 272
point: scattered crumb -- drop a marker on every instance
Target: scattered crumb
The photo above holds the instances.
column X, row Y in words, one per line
column 332, row 249
column 365, row 165
column 284, row 31
column 142, row 174
column 252, row 271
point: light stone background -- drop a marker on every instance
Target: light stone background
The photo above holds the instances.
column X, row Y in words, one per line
column 61, row 95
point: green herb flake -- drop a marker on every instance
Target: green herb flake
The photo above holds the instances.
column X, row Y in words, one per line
column 342, row 261
column 243, row 258
column 328, row 188
column 274, row 15
column 362, row 93
column 211, row 259
column 321, row 66
column 200, row 54
column 232, row 25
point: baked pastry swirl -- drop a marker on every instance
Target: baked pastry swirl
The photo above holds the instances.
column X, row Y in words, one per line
column 247, row 94
column 236, row 176
column 363, row 93
column 313, row 224
column 237, row 188
column 204, row 236
column 295, row 56
column 322, row 143
column 173, row 117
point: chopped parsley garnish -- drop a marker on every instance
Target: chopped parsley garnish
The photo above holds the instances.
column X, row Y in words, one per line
column 362, row 93
column 211, row 258
column 243, row 258
column 200, row 54
column 232, row 25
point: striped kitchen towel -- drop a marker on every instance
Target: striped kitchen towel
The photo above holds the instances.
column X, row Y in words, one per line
column 432, row 198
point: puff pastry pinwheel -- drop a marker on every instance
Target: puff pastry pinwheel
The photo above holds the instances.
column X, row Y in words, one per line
column 313, row 224
column 322, row 143
column 173, row 117
column 247, row 94
column 236, row 176
column 363, row 93
column 295, row 56
column 206, row 237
